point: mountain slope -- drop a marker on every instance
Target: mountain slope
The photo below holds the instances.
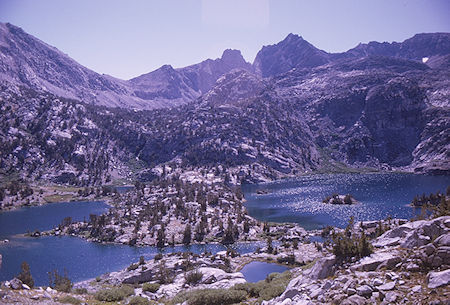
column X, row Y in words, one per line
column 27, row 61
column 186, row 84
column 382, row 112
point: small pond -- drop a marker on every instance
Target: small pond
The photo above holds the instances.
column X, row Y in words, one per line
column 257, row 271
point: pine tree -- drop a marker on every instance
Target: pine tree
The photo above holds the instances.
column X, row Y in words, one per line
column 25, row 275
column 228, row 237
column 161, row 239
column 187, row 235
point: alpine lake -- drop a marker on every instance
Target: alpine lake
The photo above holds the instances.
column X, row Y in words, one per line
column 295, row 200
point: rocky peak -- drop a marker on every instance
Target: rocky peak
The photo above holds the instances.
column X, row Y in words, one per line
column 233, row 57
column 292, row 52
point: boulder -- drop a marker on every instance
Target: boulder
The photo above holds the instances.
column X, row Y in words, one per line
column 364, row 290
column 413, row 267
column 387, row 286
column 15, row 284
column 386, row 259
column 414, row 239
column 391, row 297
column 443, row 240
column 138, row 278
column 416, row 289
column 323, row 268
column 224, row 280
column 291, row 293
column 438, row 279
column 354, row 300
column 377, row 282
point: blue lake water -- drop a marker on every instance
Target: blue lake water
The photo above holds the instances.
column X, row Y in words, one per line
column 257, row 271
column 300, row 200
column 81, row 259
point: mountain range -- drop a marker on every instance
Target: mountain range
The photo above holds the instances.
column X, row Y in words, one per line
column 296, row 109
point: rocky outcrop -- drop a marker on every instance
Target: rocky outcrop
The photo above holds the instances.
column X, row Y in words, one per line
column 388, row 276
column 416, row 233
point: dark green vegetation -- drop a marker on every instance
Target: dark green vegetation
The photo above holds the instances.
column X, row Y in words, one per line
column 271, row 287
column 193, row 277
column 25, row 275
column 138, row 300
column 150, row 287
column 60, row 282
column 210, row 296
column 114, row 294
column 347, row 245
column 145, row 213
column 69, row 300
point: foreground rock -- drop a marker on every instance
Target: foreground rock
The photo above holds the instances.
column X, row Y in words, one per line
column 400, row 271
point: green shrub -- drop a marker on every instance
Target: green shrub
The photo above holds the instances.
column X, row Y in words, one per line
column 138, row 300
column 80, row 290
column 193, row 277
column 151, row 287
column 163, row 274
column 114, row 294
column 210, row 296
column 69, row 300
column 133, row 267
column 273, row 286
column 158, row 257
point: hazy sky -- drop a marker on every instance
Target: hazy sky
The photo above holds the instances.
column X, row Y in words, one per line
column 129, row 38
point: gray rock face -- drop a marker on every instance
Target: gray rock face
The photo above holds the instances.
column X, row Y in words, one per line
column 292, row 52
column 386, row 259
column 323, row 268
column 438, row 279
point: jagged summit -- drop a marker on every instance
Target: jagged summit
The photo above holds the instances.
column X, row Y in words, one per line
column 233, row 56
column 292, row 52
